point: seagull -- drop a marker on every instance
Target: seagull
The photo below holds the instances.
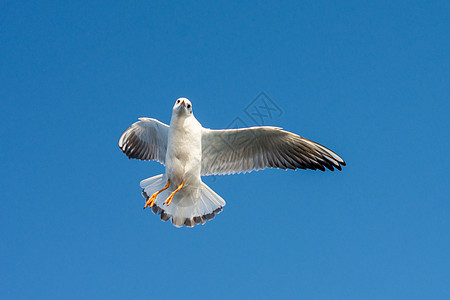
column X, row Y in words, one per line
column 188, row 151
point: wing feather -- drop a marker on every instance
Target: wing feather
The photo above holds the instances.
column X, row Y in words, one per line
column 145, row 140
column 233, row 151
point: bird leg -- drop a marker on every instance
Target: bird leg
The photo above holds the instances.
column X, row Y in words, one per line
column 152, row 199
column 169, row 199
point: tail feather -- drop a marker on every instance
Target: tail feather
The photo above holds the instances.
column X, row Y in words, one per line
column 189, row 207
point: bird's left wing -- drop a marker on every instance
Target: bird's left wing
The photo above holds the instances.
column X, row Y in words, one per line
column 233, row 151
column 145, row 140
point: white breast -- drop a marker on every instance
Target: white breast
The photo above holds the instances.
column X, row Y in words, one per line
column 184, row 150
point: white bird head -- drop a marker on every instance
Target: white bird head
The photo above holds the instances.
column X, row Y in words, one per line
column 182, row 107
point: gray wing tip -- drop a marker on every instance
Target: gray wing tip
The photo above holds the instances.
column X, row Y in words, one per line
column 122, row 138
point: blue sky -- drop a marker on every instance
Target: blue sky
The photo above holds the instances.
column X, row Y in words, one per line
column 368, row 79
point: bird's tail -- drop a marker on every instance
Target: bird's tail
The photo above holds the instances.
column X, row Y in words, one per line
column 189, row 207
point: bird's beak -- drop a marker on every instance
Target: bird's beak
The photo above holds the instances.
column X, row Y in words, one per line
column 182, row 103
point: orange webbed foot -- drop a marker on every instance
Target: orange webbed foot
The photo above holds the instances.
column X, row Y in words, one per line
column 151, row 201
column 170, row 198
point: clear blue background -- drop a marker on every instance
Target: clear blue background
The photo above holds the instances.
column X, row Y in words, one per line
column 369, row 79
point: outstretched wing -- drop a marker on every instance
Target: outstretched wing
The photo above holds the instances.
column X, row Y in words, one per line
column 145, row 140
column 232, row 151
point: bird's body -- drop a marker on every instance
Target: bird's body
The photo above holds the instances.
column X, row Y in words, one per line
column 190, row 151
column 184, row 151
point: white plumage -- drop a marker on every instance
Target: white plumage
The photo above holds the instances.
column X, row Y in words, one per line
column 190, row 151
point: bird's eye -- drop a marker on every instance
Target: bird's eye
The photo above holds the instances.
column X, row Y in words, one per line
column 188, row 106
column 178, row 101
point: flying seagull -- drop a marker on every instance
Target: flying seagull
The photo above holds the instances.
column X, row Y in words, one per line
column 190, row 151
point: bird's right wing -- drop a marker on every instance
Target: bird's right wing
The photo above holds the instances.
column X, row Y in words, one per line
column 233, row 151
column 145, row 140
